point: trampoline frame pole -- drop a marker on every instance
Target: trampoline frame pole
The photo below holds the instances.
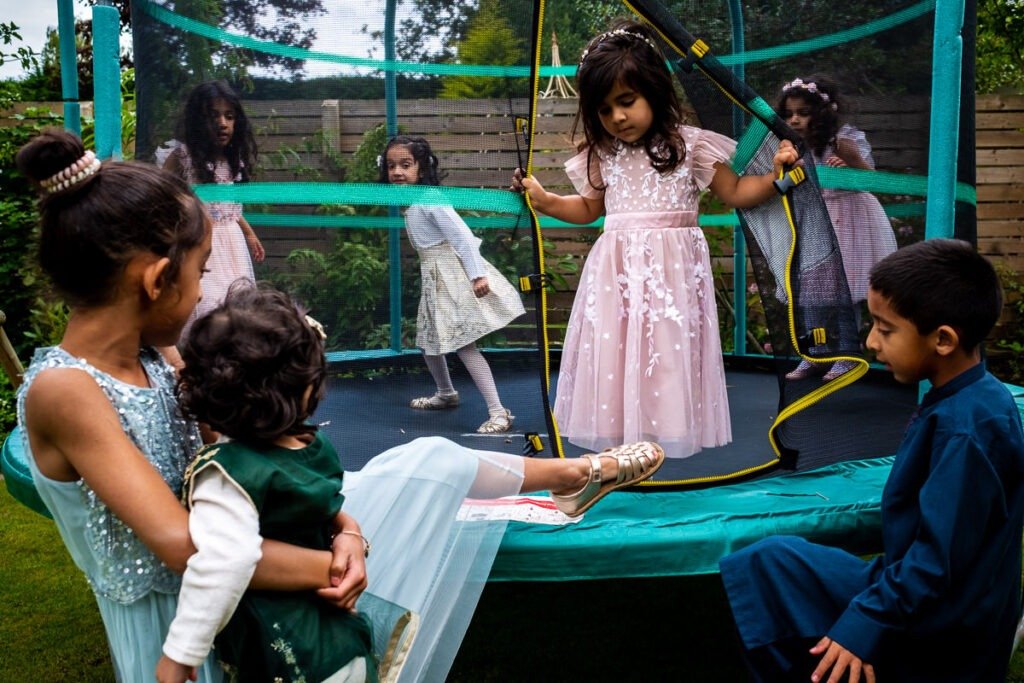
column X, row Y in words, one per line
column 739, row 266
column 947, row 52
column 69, row 66
column 394, row 236
column 106, row 79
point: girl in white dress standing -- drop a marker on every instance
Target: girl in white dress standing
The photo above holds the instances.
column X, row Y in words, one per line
column 642, row 357
column 462, row 296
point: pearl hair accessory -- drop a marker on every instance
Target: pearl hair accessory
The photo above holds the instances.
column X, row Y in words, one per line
column 810, row 87
column 612, row 34
column 73, row 174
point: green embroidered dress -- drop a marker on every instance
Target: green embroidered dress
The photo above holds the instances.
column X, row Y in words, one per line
column 287, row 636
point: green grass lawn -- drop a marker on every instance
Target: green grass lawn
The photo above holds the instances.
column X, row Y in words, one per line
column 50, row 628
column 675, row 629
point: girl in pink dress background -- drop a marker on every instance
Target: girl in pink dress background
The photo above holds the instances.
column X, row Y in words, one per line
column 642, row 356
column 813, row 107
column 219, row 148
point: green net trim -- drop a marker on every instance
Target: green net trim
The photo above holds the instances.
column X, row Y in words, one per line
column 196, row 27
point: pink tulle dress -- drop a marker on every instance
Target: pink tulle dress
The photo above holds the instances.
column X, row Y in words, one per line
column 642, row 358
column 229, row 254
column 863, row 230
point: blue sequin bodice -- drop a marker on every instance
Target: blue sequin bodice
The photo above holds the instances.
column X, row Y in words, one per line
column 117, row 564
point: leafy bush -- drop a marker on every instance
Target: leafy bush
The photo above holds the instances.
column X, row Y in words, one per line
column 18, row 220
column 1006, row 358
column 342, row 288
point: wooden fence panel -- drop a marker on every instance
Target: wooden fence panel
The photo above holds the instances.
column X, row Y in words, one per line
column 477, row 146
column 1000, row 169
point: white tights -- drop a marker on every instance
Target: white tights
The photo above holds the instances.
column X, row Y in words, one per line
column 478, row 369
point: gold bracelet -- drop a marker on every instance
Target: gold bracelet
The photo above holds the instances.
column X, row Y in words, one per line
column 366, row 541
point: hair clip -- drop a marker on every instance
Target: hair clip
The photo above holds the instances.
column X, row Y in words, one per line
column 73, row 174
column 317, row 327
column 612, row 34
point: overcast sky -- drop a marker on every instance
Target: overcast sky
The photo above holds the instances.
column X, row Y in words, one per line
column 32, row 18
column 338, row 32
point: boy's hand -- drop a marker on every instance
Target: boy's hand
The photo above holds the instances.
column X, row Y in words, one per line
column 170, row 671
column 839, row 660
column 348, row 572
column 481, row 287
column 785, row 156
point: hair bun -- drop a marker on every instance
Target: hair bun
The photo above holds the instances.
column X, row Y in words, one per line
column 49, row 153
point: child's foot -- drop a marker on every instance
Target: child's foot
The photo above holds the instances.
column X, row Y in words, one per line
column 609, row 470
column 438, row 401
column 497, row 424
column 804, row 370
column 840, row 367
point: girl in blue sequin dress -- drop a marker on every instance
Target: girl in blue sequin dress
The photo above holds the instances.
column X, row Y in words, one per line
column 125, row 245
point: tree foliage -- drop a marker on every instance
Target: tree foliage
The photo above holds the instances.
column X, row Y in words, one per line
column 173, row 61
column 1000, row 63
column 489, row 40
column 10, row 37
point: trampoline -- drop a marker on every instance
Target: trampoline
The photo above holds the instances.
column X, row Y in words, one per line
column 315, row 200
column 653, row 533
column 351, row 415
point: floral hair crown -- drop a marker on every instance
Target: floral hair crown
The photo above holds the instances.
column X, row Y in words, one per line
column 810, row 87
column 315, row 325
column 73, row 174
column 614, row 34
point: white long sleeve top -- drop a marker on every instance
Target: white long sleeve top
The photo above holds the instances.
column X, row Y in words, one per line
column 428, row 226
column 225, row 528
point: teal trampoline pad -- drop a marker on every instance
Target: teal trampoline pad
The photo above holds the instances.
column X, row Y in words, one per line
column 663, row 533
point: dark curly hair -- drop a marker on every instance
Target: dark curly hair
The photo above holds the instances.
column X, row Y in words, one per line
column 92, row 229
column 620, row 56
column 825, row 116
column 421, row 152
column 248, row 365
column 197, row 129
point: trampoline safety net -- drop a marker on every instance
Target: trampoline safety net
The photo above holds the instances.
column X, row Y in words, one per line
column 389, row 265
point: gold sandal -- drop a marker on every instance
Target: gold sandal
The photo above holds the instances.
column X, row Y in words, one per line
column 438, row 401
column 497, row 424
column 637, row 461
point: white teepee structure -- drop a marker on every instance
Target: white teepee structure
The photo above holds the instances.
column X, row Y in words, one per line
column 558, row 85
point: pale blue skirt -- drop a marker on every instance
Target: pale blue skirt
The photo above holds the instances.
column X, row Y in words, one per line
column 406, row 500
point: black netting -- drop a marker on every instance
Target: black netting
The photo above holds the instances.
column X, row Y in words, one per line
column 326, row 86
column 322, row 100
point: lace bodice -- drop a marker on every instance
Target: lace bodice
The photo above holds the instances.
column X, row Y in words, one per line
column 220, row 212
column 116, row 563
column 632, row 185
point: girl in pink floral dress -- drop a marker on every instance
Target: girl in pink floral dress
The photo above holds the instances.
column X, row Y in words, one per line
column 219, row 148
column 642, row 357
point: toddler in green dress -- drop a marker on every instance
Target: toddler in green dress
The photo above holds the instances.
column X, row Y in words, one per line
column 254, row 370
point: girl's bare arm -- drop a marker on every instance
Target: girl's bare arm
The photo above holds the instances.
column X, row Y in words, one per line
column 744, row 192
column 847, row 150
column 75, row 433
column 571, row 209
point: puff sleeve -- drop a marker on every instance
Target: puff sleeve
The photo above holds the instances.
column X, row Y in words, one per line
column 576, row 169
column 857, row 137
column 708, row 148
